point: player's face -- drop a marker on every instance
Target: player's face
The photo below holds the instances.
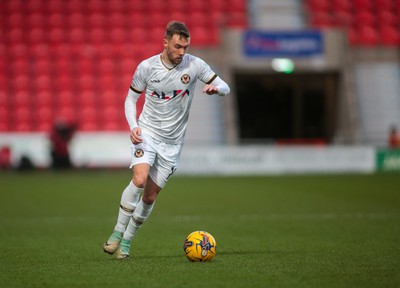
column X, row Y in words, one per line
column 175, row 48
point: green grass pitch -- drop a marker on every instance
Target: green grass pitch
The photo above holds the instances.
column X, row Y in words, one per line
column 273, row 231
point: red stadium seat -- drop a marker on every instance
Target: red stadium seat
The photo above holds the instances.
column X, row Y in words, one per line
column 110, row 115
column 36, row 20
column 4, row 119
column 13, row 6
column 41, row 52
column 156, row 32
column 87, row 98
column 321, row 20
column 236, row 6
column 74, row 6
column 43, row 82
column 194, row 6
column 363, row 4
column 64, row 82
column 56, row 6
column 158, row 6
column 37, row 35
column 4, row 99
column 158, row 20
column 88, row 120
column 86, row 82
column 390, row 36
column 21, row 82
column 342, row 5
column 384, row 4
column 16, row 36
column 23, row 119
column 108, row 97
column 127, row 50
column 97, row 36
column 366, row 36
column 65, row 98
column 95, row 6
column 201, row 36
column 85, row 66
column 196, row 19
column 107, row 66
column 319, row 5
column 387, row 18
column 342, row 19
column 137, row 19
column 45, row 119
column 57, row 35
column 116, row 20
column 128, row 65
column 3, row 84
column 217, row 6
column 33, row 6
column 96, row 20
column 77, row 35
column 68, row 113
column 57, row 20
column 364, row 18
column 21, row 99
column 44, row 98
column 237, row 20
column 19, row 51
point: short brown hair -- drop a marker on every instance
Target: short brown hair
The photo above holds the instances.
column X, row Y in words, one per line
column 176, row 27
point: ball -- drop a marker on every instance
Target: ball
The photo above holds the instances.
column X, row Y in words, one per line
column 200, row 246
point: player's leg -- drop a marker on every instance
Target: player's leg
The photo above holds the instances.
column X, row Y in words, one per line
column 141, row 160
column 129, row 199
column 142, row 212
column 163, row 167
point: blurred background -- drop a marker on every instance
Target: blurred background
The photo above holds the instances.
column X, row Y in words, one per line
column 315, row 83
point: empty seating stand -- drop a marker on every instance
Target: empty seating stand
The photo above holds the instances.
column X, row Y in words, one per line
column 75, row 59
column 369, row 23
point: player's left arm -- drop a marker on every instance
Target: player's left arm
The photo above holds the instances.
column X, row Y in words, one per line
column 217, row 86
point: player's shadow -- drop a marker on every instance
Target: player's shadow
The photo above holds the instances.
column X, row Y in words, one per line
column 219, row 253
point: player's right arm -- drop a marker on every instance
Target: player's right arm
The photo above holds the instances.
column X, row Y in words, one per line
column 130, row 114
column 137, row 87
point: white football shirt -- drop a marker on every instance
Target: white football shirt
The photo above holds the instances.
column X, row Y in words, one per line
column 169, row 94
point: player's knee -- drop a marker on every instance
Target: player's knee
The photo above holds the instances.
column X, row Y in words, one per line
column 139, row 180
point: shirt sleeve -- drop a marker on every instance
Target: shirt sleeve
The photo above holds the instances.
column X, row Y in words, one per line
column 138, row 85
column 223, row 87
column 130, row 108
column 139, row 82
column 205, row 73
column 208, row 76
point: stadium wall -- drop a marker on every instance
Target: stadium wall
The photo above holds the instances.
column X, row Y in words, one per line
column 96, row 150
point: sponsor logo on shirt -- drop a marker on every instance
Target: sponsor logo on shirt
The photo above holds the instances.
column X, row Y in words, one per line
column 162, row 95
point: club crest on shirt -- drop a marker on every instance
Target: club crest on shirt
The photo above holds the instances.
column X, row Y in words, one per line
column 185, row 78
column 139, row 153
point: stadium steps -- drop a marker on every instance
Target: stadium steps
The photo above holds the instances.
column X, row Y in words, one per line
column 271, row 14
column 379, row 100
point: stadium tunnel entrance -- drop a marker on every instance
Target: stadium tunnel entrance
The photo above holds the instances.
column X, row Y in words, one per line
column 280, row 108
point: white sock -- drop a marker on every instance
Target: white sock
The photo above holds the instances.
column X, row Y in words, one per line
column 129, row 199
column 142, row 212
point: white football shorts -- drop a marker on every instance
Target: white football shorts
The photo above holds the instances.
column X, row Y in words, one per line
column 162, row 157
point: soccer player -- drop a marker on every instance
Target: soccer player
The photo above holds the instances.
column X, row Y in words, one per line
column 168, row 80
